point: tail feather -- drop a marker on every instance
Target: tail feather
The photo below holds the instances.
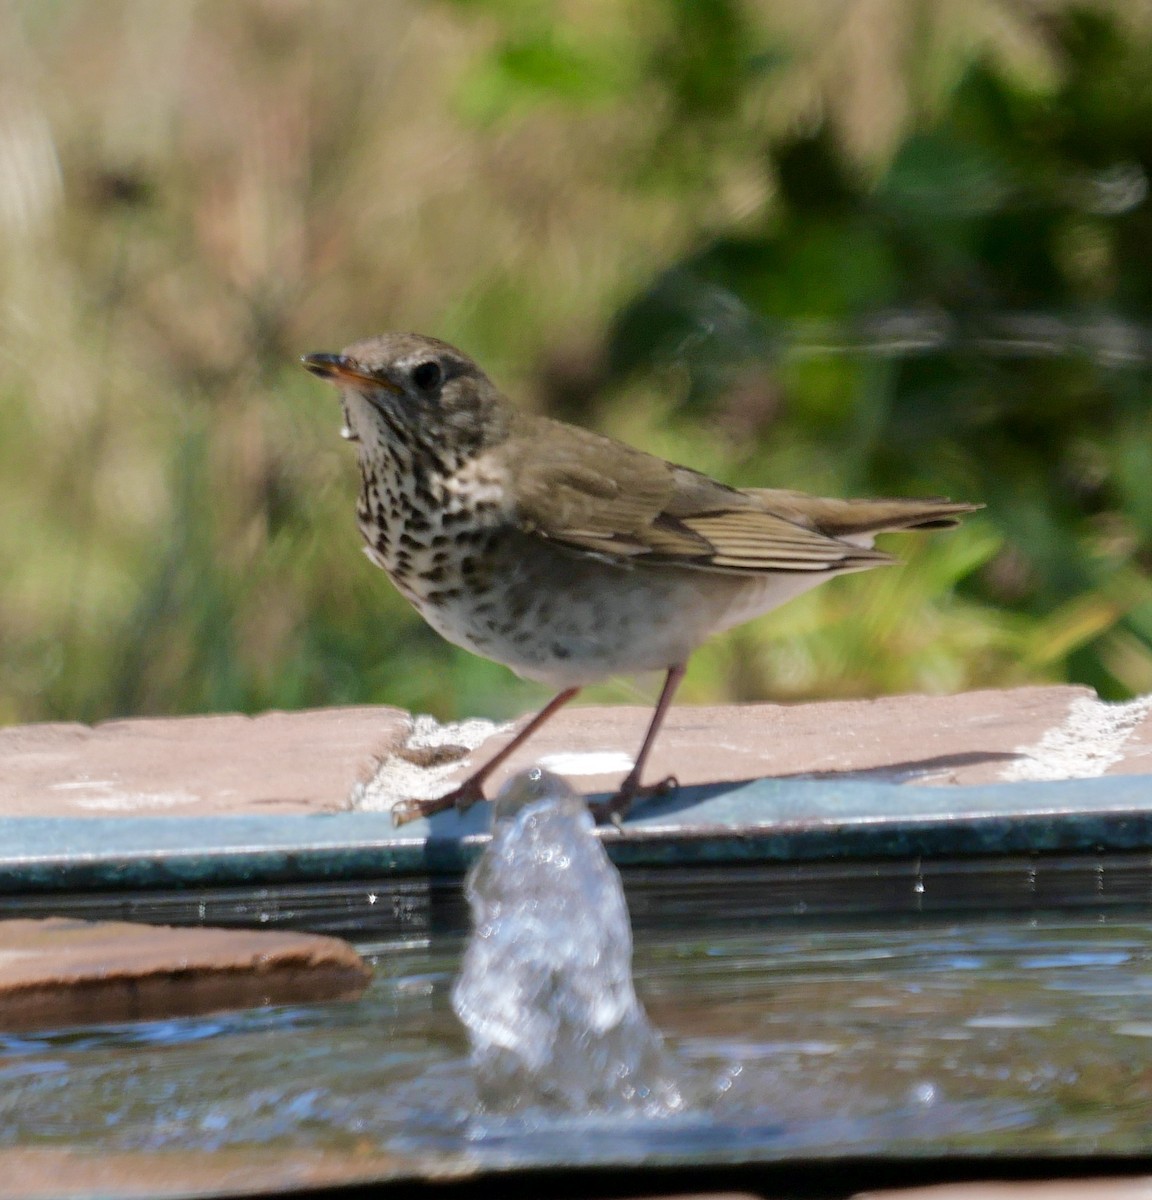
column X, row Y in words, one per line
column 845, row 518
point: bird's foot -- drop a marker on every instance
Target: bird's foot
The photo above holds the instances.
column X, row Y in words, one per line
column 615, row 808
column 461, row 799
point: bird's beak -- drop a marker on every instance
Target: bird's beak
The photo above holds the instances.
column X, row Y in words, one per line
column 337, row 368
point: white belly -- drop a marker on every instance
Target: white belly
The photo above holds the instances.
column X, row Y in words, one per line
column 592, row 620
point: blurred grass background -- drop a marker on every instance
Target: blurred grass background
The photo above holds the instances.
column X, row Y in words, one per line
column 850, row 246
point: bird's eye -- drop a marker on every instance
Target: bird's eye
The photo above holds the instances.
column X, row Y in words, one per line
column 427, row 376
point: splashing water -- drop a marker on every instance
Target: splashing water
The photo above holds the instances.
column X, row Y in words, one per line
column 545, row 989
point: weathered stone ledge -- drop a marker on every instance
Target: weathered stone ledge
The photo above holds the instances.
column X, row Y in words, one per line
column 58, row 972
column 320, row 761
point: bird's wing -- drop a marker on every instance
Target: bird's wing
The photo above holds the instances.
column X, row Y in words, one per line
column 602, row 497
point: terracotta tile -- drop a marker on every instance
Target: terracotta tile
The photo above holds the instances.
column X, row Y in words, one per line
column 1047, row 1189
column 1136, row 753
column 965, row 739
column 61, row 972
column 192, row 766
column 53, row 1173
column 310, row 761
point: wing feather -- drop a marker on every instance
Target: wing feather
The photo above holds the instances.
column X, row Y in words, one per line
column 602, row 497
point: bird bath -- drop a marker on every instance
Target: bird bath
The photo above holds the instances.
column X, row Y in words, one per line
column 1001, row 1036
column 883, row 1002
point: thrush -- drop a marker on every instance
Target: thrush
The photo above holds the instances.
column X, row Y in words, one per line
column 564, row 554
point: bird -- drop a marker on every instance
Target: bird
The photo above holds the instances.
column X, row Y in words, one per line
column 566, row 555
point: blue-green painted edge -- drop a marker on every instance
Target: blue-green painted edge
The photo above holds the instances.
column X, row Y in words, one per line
column 767, row 820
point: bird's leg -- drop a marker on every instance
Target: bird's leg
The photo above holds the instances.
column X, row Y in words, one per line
column 472, row 789
column 631, row 789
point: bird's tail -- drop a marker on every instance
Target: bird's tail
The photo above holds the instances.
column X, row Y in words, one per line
column 845, row 518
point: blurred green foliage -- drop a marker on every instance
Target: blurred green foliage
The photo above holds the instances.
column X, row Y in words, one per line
column 856, row 248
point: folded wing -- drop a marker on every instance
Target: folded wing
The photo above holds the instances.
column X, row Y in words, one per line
column 601, row 497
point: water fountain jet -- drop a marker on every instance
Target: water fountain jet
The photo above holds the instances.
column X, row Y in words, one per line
column 545, row 988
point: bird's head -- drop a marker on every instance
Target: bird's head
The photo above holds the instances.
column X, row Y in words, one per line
column 404, row 387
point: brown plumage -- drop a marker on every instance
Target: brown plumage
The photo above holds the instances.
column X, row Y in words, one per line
column 587, row 491
column 564, row 554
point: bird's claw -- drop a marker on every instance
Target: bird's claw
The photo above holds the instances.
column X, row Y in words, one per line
column 404, row 811
column 614, row 810
column 461, row 799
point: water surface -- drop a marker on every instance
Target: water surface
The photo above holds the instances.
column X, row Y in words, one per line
column 1013, row 1035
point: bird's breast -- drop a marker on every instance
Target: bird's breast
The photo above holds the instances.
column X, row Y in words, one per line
column 430, row 530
